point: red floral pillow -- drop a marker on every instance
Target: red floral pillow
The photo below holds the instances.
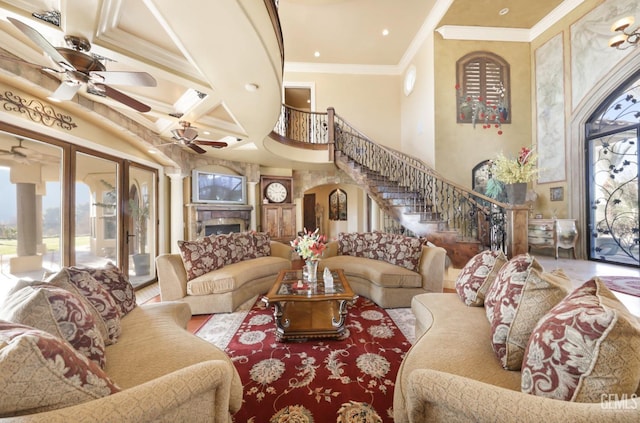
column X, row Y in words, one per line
column 405, row 251
column 586, row 347
column 45, row 372
column 263, row 244
column 102, row 305
column 477, row 276
column 517, row 267
column 226, row 249
column 524, row 303
column 59, row 312
column 198, row 257
column 117, row 284
column 376, row 245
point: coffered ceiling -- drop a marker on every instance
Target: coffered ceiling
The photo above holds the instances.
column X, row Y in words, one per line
column 214, row 64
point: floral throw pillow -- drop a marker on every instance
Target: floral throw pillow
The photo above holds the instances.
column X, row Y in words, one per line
column 477, row 276
column 117, row 284
column 102, row 305
column 59, row 312
column 198, row 257
column 587, row 346
column 524, row 302
column 40, row 372
column 405, row 251
column 518, row 268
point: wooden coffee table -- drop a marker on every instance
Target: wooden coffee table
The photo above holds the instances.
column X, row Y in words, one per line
column 306, row 310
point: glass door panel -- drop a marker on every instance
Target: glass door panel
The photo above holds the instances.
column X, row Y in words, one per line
column 613, row 198
column 141, row 232
column 96, row 212
column 31, row 212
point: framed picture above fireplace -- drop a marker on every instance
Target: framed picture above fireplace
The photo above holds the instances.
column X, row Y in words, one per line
column 218, row 188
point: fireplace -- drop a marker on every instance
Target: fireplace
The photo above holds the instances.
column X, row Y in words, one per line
column 206, row 219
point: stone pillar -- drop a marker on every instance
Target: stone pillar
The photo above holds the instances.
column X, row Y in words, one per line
column 28, row 258
column 253, row 201
column 374, row 215
column 176, row 211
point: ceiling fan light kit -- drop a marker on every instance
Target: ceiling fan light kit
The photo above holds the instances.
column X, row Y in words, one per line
column 78, row 68
column 187, row 134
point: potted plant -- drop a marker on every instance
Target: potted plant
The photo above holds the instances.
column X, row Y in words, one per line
column 511, row 176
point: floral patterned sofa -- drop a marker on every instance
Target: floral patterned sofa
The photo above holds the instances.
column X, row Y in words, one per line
column 216, row 274
column 76, row 347
column 388, row 269
column 516, row 343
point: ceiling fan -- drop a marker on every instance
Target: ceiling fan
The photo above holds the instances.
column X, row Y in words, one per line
column 78, row 68
column 187, row 134
column 21, row 154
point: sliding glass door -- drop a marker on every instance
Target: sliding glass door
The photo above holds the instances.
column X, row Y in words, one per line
column 70, row 205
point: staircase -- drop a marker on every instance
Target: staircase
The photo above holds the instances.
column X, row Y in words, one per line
column 424, row 203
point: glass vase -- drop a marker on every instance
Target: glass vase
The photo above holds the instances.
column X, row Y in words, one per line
column 312, row 270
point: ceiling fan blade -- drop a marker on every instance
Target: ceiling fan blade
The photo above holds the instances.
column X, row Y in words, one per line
column 65, row 91
column 197, row 149
column 142, row 79
column 37, row 38
column 214, row 144
column 123, row 98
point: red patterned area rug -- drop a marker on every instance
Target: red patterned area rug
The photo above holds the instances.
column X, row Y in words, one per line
column 350, row 380
column 626, row 284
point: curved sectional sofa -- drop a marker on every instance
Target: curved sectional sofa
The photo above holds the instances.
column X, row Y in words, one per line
column 216, row 274
column 388, row 269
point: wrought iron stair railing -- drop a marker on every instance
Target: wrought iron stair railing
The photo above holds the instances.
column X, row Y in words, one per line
column 413, row 194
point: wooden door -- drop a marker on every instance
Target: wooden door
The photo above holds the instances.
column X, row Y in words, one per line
column 309, row 212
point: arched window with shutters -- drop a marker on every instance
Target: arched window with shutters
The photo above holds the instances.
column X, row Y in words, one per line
column 483, row 89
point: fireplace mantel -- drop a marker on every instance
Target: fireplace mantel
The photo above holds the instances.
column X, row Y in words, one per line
column 199, row 215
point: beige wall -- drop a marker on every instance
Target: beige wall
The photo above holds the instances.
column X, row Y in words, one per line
column 370, row 103
column 459, row 147
column 417, row 119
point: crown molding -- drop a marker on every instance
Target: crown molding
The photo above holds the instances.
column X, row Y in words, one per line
column 480, row 33
column 483, row 33
column 342, row 68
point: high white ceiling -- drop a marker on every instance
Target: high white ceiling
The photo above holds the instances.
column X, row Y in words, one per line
column 203, row 53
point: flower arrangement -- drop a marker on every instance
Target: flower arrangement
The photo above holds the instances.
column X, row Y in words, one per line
column 310, row 245
column 479, row 109
column 511, row 171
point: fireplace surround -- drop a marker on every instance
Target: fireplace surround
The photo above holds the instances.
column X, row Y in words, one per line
column 208, row 219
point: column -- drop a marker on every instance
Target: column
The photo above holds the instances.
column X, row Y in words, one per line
column 27, row 258
column 176, row 208
column 252, row 199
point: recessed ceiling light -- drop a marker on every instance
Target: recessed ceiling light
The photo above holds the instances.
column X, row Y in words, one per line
column 152, row 151
column 251, row 87
column 385, row 32
column 316, row 54
column 206, row 132
column 504, row 11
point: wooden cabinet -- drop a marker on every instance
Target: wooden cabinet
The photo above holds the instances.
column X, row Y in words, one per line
column 553, row 233
column 279, row 221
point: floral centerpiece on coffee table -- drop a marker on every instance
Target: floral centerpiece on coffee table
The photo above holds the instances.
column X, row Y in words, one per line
column 310, row 246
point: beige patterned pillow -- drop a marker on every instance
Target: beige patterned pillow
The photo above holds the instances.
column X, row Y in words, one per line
column 586, row 347
column 57, row 311
column 525, row 301
column 40, row 372
column 478, row 275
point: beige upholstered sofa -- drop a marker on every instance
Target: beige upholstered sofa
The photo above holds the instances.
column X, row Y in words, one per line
column 222, row 286
column 452, row 373
column 388, row 269
column 162, row 372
